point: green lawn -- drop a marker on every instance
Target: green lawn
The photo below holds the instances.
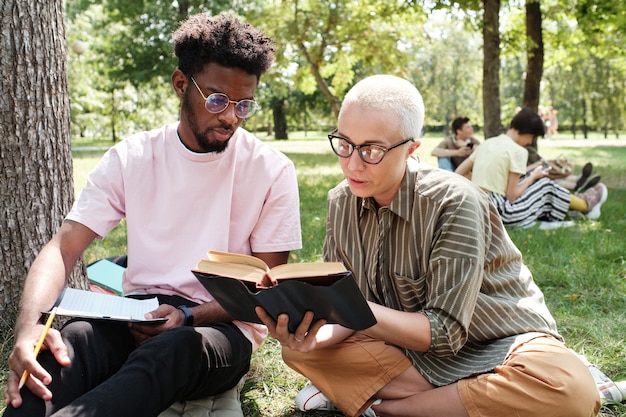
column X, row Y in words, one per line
column 582, row 269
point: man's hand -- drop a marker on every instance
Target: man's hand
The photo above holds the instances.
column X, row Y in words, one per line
column 143, row 331
column 23, row 359
column 304, row 338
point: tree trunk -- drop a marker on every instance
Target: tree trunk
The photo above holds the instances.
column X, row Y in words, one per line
column 321, row 82
column 35, row 152
column 534, row 58
column 113, row 116
column 585, row 127
column 534, row 55
column 491, row 68
column 280, row 119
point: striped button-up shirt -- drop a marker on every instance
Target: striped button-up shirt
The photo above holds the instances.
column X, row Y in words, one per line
column 440, row 249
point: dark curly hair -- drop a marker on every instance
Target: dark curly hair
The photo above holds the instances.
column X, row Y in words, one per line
column 224, row 40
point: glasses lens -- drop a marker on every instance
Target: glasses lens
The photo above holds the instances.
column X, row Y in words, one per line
column 340, row 146
column 372, row 154
column 216, row 103
column 245, row 108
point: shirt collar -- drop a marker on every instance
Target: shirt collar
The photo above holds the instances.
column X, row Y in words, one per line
column 402, row 203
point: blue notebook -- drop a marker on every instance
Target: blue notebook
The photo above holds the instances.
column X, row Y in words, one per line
column 106, row 275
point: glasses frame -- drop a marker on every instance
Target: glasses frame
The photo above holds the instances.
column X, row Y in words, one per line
column 384, row 149
column 254, row 106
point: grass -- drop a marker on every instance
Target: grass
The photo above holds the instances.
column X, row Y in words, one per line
column 581, row 269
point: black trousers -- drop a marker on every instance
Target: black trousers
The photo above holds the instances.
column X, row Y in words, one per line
column 110, row 376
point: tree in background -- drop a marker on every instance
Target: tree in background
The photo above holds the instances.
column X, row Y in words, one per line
column 333, row 44
column 490, row 26
column 491, row 68
column 447, row 69
column 585, row 64
column 324, row 47
column 534, row 55
column 111, row 96
column 36, row 191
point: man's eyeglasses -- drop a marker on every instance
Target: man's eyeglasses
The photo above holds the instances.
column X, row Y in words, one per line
column 369, row 153
column 218, row 102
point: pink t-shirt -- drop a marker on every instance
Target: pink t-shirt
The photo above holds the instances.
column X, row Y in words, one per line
column 178, row 204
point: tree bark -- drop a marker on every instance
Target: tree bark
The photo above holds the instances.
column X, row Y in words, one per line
column 321, row 83
column 534, row 55
column 280, row 119
column 35, row 151
column 491, row 68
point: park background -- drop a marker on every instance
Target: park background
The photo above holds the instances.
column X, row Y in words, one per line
column 82, row 74
column 565, row 54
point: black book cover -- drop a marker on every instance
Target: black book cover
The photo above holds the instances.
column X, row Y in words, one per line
column 335, row 298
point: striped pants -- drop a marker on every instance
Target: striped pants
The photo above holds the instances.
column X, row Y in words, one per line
column 544, row 200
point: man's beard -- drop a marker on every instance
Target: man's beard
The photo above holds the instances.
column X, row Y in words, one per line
column 202, row 138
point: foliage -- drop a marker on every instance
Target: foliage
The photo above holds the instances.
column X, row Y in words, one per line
column 142, row 50
column 327, row 46
column 585, row 76
column 447, row 70
column 121, row 82
column 104, row 105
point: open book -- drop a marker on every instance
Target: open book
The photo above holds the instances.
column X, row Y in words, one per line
column 87, row 304
column 239, row 283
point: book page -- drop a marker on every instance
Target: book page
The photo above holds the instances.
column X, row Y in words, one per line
column 237, row 258
column 306, row 269
column 80, row 303
column 233, row 270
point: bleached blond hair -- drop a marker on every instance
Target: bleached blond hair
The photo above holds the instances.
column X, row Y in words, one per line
column 390, row 93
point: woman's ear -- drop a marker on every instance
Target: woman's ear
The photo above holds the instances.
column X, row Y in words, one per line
column 413, row 147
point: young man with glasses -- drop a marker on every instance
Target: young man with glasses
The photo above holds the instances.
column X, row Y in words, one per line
column 462, row 329
column 201, row 183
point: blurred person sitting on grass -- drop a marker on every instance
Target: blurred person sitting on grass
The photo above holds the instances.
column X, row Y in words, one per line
column 198, row 184
column 577, row 183
column 499, row 168
column 462, row 328
column 454, row 149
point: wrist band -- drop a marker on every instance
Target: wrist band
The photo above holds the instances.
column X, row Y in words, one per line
column 188, row 315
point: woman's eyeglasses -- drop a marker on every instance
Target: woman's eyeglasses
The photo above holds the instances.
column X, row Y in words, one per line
column 218, row 102
column 369, row 153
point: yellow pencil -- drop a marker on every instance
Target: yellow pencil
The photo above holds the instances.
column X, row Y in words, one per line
column 39, row 343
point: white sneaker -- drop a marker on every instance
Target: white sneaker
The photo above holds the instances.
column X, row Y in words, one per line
column 310, row 398
column 555, row 225
column 595, row 197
